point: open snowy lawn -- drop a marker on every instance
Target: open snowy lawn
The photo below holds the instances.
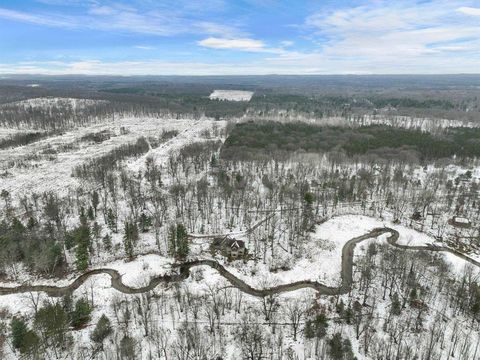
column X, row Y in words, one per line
column 138, row 272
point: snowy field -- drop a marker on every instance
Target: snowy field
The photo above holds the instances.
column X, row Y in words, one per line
column 49, row 165
column 231, row 95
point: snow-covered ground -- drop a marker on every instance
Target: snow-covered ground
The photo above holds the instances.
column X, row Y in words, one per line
column 323, row 253
column 53, row 172
column 55, row 102
column 322, row 262
column 231, row 95
column 138, row 272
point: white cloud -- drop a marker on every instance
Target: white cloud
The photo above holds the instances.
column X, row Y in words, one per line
column 287, row 43
column 236, row 44
column 127, row 19
column 399, row 32
column 208, row 27
column 56, row 21
column 101, row 10
column 469, row 10
column 145, row 47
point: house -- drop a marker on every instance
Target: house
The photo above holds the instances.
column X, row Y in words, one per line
column 459, row 221
column 229, row 246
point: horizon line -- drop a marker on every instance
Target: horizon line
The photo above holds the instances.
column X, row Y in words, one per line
column 6, row 75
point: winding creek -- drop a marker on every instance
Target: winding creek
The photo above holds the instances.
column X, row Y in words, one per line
column 184, row 273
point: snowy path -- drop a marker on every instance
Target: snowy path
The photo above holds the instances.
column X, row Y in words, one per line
column 184, row 273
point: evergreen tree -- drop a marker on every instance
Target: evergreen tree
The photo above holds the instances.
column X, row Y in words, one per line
column 102, row 330
column 348, row 315
column 112, row 221
column 52, row 322
column 396, row 308
column 31, row 223
column 127, row 348
column 182, row 241
column 130, row 237
column 340, row 348
column 90, row 213
column 413, row 295
column 95, row 202
column 82, row 241
column 172, row 240
column 145, row 222
column 107, row 242
column 96, row 230
column 178, row 241
column 67, row 303
column 18, row 331
column 81, row 314
column 23, row 338
column 317, row 327
column 308, row 199
column 340, row 307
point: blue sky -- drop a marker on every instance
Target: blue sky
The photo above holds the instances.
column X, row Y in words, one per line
column 193, row 37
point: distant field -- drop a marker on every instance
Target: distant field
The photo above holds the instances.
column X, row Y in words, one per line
column 231, row 95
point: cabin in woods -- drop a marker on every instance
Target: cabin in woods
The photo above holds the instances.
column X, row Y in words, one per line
column 231, row 247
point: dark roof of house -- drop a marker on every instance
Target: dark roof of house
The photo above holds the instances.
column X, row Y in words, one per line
column 226, row 241
column 235, row 244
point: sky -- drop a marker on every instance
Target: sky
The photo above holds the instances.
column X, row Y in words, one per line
column 239, row 37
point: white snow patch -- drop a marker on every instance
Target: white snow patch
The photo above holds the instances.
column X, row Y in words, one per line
column 138, row 272
column 231, row 95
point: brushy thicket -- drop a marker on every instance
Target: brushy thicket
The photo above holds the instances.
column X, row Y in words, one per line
column 22, row 139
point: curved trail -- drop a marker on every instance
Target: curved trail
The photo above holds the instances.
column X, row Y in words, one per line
column 184, row 273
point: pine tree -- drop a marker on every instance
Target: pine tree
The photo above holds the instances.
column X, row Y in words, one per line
column 95, row 202
column 308, row 199
column 52, row 322
column 112, row 221
column 182, row 241
column 18, row 331
column 31, row 223
column 90, row 213
column 172, row 240
column 23, row 338
column 130, row 237
column 82, row 241
column 102, row 330
column 107, row 242
column 396, row 308
column 145, row 222
column 81, row 314
column 340, row 348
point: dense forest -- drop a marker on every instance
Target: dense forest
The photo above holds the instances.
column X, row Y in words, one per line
column 255, row 140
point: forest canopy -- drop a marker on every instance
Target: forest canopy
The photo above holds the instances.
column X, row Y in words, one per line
column 256, row 140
